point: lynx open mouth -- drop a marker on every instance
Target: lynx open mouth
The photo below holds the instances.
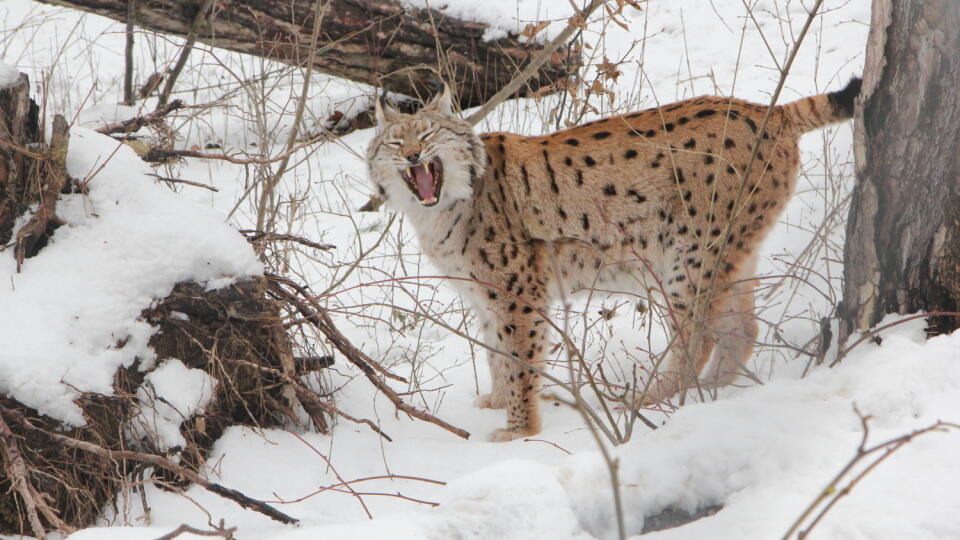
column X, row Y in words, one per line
column 425, row 180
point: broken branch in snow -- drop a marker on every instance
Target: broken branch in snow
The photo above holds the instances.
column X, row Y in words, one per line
column 134, row 124
column 182, row 181
column 160, row 155
column 157, row 461
column 257, row 237
column 220, row 531
column 845, row 350
column 45, row 220
column 312, row 311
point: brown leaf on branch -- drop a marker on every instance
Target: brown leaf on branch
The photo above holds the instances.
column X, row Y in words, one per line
column 608, row 70
column 531, row 30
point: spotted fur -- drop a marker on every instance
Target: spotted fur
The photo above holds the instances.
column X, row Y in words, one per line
column 657, row 199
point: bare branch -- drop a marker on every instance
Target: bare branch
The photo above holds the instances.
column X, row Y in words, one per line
column 514, row 85
column 157, row 461
column 134, row 124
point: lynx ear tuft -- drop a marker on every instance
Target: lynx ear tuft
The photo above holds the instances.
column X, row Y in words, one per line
column 382, row 111
column 442, row 103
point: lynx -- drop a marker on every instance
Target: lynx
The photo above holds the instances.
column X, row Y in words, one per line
column 660, row 199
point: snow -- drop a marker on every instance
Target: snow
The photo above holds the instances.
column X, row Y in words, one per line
column 71, row 317
column 761, row 452
column 170, row 395
column 8, row 75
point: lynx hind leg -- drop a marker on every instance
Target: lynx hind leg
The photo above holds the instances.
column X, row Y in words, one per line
column 735, row 325
column 690, row 348
column 692, row 339
column 721, row 324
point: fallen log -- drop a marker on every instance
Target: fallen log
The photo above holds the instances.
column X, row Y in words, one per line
column 378, row 42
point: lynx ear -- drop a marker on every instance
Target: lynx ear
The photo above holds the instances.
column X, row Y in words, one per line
column 442, row 103
column 382, row 111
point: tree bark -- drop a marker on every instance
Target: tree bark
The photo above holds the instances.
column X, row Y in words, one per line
column 902, row 250
column 19, row 141
column 378, row 42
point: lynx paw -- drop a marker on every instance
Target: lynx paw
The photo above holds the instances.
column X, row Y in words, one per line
column 490, row 401
column 506, row 435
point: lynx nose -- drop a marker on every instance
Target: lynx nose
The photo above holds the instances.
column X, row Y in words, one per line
column 413, row 156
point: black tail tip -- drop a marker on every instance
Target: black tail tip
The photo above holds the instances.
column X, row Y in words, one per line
column 842, row 100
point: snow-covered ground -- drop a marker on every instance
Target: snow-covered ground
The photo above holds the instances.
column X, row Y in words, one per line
column 762, row 453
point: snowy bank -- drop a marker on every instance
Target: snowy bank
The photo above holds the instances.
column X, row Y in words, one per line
column 70, row 318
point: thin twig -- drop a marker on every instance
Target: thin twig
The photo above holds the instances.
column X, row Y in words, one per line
column 357, row 481
column 835, row 492
column 311, row 310
column 128, row 95
column 551, row 443
column 304, row 394
column 576, row 21
column 335, row 473
column 182, row 181
column 199, row 19
column 270, row 184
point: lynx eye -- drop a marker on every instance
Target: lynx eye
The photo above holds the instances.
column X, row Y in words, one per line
column 428, row 134
column 394, row 144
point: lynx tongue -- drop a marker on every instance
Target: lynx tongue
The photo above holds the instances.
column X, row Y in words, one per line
column 426, row 185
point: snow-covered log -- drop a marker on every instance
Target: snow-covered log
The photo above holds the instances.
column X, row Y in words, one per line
column 379, row 42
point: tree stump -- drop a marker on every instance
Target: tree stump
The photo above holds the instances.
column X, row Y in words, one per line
column 19, row 133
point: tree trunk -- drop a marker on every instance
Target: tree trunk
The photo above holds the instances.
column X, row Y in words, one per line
column 903, row 237
column 378, row 42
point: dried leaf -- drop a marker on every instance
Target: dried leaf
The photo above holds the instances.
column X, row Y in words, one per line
column 531, row 30
column 597, row 88
column 577, row 22
column 608, row 70
column 613, row 16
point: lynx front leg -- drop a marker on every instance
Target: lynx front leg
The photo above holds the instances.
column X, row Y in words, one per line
column 499, row 368
column 523, row 335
